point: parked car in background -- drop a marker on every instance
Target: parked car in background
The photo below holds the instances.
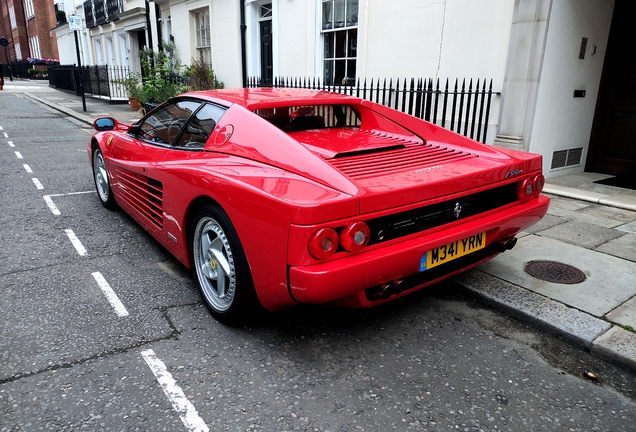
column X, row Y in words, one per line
column 277, row 197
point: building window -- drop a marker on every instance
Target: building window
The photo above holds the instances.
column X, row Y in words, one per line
column 12, row 17
column 99, row 57
column 340, row 41
column 18, row 52
column 28, row 9
column 34, row 44
column 202, row 31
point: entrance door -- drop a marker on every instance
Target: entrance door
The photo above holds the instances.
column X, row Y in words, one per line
column 613, row 139
column 267, row 63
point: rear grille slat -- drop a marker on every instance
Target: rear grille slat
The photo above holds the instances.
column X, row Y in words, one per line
column 391, row 161
column 435, row 215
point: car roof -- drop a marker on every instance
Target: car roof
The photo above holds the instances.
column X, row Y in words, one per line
column 272, row 97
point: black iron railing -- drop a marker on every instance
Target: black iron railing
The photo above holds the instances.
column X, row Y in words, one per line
column 463, row 108
column 99, row 81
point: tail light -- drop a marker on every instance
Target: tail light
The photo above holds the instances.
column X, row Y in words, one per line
column 354, row 236
column 323, row 243
column 539, row 182
column 531, row 187
column 526, row 191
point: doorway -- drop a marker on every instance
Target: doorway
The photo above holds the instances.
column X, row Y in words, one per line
column 266, row 43
column 613, row 139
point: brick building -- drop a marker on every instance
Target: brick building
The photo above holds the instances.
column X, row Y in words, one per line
column 29, row 26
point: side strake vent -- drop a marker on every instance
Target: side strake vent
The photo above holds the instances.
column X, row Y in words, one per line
column 143, row 193
column 409, row 157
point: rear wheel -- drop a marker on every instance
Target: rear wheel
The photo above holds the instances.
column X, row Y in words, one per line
column 102, row 183
column 220, row 267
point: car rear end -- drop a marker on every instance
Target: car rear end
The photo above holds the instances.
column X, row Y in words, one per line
column 431, row 204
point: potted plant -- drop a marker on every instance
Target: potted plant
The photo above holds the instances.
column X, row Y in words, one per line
column 133, row 89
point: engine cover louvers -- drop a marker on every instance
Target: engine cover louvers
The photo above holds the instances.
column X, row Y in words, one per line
column 408, row 157
column 144, row 194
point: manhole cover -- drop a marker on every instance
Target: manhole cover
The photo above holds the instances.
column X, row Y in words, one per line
column 556, row 272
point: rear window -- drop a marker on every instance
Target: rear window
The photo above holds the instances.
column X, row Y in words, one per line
column 308, row 117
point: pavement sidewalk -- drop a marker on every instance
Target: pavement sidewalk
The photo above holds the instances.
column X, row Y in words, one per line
column 589, row 227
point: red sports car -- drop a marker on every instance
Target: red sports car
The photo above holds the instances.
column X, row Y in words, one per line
column 277, row 197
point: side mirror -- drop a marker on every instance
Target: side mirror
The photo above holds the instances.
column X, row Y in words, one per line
column 104, row 123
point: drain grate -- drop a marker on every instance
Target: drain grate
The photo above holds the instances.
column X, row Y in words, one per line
column 556, row 272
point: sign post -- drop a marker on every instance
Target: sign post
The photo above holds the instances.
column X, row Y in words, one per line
column 75, row 24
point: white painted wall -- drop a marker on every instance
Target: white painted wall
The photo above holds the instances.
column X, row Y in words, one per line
column 225, row 35
column 225, row 22
column 428, row 38
column 297, row 38
column 66, row 45
column 562, row 121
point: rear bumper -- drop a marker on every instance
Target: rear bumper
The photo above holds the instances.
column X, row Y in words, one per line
column 347, row 278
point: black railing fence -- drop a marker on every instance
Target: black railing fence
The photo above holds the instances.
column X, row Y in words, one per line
column 462, row 108
column 99, row 81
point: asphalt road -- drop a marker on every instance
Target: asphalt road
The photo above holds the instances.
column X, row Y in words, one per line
column 101, row 329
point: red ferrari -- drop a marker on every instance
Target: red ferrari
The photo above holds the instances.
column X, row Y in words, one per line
column 276, row 197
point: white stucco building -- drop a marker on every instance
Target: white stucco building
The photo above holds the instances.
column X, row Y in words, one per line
column 556, row 63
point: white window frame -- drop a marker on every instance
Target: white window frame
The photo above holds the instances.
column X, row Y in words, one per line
column 99, row 55
column 123, row 49
column 34, row 44
column 327, row 32
column 14, row 24
column 202, row 35
column 28, row 9
column 110, row 51
column 18, row 51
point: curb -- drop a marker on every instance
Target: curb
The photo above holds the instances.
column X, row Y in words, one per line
column 588, row 196
column 69, row 112
column 583, row 330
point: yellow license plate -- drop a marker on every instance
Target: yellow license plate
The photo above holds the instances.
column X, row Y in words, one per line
column 451, row 251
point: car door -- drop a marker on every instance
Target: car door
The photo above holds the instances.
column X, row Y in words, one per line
column 180, row 171
column 136, row 162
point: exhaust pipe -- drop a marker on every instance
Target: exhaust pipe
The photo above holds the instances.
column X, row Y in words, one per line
column 387, row 290
column 506, row 244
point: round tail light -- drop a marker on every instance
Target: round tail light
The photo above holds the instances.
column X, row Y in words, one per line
column 527, row 189
column 539, row 182
column 323, row 243
column 355, row 236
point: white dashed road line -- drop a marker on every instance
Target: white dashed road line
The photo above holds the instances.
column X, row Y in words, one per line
column 19, row 155
column 49, row 202
column 27, row 168
column 75, row 241
column 73, row 193
column 6, row 135
column 10, row 143
column 180, row 403
column 112, row 298
column 37, row 183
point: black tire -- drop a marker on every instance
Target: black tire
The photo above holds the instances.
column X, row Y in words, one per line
column 102, row 182
column 220, row 267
